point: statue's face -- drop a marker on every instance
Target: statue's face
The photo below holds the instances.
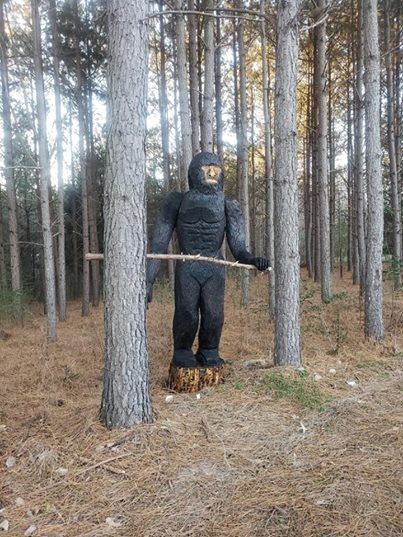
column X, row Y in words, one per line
column 211, row 173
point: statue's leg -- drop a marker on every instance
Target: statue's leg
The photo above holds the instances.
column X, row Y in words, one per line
column 186, row 317
column 212, row 318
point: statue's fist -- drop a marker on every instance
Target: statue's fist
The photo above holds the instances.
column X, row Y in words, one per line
column 261, row 263
column 149, row 292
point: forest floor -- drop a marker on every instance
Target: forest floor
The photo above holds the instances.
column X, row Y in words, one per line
column 271, row 452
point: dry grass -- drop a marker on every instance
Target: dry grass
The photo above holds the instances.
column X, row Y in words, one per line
column 248, row 459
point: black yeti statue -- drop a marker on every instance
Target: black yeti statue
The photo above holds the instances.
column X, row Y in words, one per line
column 201, row 217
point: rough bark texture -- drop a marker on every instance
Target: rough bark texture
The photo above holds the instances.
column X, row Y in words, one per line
column 184, row 109
column 44, row 181
column 287, row 351
column 395, row 195
column 373, row 282
column 218, row 92
column 207, row 120
column 243, row 186
column 3, row 273
column 269, row 231
column 322, row 163
column 126, row 399
column 8, row 161
column 61, row 260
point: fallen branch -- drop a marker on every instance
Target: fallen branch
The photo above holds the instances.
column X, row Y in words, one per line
column 183, row 257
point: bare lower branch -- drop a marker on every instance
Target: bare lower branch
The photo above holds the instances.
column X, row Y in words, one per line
column 183, row 257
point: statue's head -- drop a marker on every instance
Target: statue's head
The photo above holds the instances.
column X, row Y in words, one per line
column 206, row 173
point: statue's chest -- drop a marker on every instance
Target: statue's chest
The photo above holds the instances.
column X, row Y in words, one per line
column 202, row 209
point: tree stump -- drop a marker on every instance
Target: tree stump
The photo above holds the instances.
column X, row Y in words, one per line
column 194, row 379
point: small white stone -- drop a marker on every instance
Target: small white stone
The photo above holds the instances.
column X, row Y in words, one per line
column 317, row 377
column 10, row 462
column 169, row 398
column 19, row 502
column 4, row 525
column 61, row 472
column 31, row 530
column 351, row 383
column 29, row 513
column 112, row 522
column 332, row 371
column 3, row 427
column 198, row 396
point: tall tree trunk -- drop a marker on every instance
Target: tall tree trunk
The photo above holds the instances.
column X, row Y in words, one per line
column 218, row 92
column 237, row 121
column 3, row 271
column 332, row 166
column 322, row 168
column 243, row 186
column 359, row 160
column 85, row 308
column 287, row 331
column 194, row 78
column 184, row 109
column 350, row 170
column 44, row 182
column 8, row 161
column 126, row 399
column 163, row 105
column 207, row 119
column 61, row 259
column 394, row 180
column 268, row 168
column 307, row 183
column 73, row 207
column 373, row 282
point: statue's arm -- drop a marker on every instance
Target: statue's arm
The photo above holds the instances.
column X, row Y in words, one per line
column 163, row 232
column 235, row 231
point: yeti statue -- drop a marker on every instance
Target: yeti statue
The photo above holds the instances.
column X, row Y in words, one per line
column 201, row 217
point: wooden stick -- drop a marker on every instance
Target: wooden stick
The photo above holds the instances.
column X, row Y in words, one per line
column 183, row 257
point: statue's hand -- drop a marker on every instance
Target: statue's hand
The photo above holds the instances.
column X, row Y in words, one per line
column 149, row 292
column 261, row 263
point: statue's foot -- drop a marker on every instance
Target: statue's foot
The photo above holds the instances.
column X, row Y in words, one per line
column 209, row 358
column 184, row 358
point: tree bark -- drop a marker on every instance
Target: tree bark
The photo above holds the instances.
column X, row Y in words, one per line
column 218, row 92
column 395, row 195
column 243, row 186
column 287, row 331
column 184, row 109
column 44, row 181
column 8, row 161
column 359, row 160
column 85, row 307
column 3, row 272
column 194, row 79
column 207, row 119
column 61, row 259
column 126, row 399
column 268, row 166
column 373, row 283
column 322, row 162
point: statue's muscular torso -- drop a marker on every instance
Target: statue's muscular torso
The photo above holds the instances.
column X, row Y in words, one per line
column 200, row 223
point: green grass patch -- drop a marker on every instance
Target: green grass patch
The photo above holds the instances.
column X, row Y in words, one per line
column 372, row 365
column 14, row 305
column 300, row 390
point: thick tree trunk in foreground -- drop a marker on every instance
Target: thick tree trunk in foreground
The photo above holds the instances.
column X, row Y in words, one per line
column 322, row 175
column 373, row 282
column 269, row 220
column 3, row 273
column 8, row 161
column 126, row 398
column 183, row 87
column 44, row 181
column 287, row 351
column 61, row 260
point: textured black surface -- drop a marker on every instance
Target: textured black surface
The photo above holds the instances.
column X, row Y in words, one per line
column 201, row 217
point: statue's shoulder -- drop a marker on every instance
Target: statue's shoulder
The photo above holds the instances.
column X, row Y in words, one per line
column 173, row 200
column 232, row 206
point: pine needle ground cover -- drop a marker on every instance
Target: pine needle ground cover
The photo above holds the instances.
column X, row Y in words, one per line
column 271, row 452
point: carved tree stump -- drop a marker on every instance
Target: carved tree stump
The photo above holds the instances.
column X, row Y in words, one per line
column 193, row 379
